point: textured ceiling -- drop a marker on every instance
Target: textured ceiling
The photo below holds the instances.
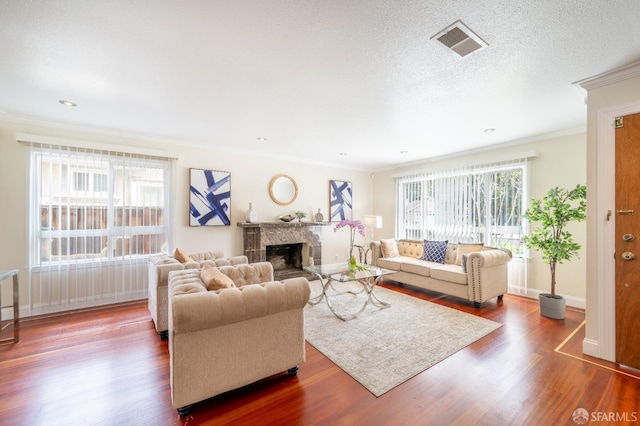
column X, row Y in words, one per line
column 316, row 78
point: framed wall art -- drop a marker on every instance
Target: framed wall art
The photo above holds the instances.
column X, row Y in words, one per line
column 209, row 198
column 340, row 206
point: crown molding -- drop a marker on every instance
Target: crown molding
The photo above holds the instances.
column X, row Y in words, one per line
column 609, row 77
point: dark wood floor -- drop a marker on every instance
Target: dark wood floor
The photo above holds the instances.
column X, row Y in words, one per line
column 108, row 367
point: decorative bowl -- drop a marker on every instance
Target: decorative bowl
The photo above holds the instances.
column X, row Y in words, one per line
column 287, row 218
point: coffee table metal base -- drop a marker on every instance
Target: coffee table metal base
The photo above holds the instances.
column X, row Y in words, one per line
column 368, row 286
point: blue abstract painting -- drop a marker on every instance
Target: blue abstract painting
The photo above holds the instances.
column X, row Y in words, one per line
column 209, row 198
column 341, row 200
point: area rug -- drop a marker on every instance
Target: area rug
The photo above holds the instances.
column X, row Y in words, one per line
column 383, row 348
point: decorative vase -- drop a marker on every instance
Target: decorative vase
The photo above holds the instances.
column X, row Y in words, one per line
column 250, row 215
column 352, row 262
column 552, row 307
column 318, row 217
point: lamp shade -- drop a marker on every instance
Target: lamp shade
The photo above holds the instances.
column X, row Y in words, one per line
column 371, row 221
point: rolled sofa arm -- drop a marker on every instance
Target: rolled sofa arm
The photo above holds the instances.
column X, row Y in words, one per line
column 195, row 310
column 159, row 268
column 487, row 258
column 376, row 252
column 487, row 274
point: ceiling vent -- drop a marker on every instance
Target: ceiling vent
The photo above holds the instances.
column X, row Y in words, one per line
column 459, row 38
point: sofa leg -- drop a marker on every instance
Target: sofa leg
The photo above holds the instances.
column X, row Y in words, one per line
column 163, row 334
column 476, row 304
column 292, row 371
column 500, row 297
column 185, row 411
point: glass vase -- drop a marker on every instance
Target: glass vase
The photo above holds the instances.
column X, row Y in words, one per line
column 352, row 262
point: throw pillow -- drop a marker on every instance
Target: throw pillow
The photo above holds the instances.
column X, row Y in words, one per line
column 214, row 279
column 466, row 248
column 181, row 255
column 389, row 248
column 434, row 251
column 464, row 262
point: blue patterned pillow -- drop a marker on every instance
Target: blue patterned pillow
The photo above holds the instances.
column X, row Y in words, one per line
column 434, row 251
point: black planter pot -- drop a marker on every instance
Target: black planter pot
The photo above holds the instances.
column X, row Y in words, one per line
column 552, row 307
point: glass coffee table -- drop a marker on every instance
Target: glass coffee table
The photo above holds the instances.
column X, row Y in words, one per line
column 366, row 275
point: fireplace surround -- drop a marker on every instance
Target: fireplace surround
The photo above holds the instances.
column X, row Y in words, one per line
column 288, row 246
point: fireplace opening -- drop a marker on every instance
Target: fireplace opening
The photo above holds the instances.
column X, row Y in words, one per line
column 285, row 258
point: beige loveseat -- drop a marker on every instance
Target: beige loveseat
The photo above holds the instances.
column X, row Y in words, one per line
column 484, row 279
column 159, row 268
column 224, row 339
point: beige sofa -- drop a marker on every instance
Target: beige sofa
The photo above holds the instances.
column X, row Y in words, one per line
column 224, row 339
column 484, row 279
column 159, row 268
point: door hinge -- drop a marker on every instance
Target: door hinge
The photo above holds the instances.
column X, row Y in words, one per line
column 618, row 122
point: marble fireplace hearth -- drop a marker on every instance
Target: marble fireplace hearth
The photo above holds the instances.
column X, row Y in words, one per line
column 288, row 246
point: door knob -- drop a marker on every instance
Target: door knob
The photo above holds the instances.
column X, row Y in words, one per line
column 628, row 237
column 627, row 255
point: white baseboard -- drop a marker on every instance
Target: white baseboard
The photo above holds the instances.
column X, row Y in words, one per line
column 572, row 301
column 61, row 306
column 591, row 347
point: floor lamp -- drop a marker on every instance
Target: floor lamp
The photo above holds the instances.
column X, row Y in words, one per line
column 371, row 223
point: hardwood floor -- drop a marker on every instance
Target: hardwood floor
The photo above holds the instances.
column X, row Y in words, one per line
column 108, row 367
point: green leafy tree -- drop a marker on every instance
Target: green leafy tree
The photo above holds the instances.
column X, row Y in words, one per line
column 558, row 207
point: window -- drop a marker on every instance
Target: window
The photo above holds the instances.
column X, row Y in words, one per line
column 481, row 204
column 91, row 206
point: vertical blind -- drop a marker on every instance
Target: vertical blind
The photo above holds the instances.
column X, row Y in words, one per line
column 481, row 204
column 95, row 217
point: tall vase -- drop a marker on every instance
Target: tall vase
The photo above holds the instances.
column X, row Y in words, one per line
column 352, row 259
column 250, row 215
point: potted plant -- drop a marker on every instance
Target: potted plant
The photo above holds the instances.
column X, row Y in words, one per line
column 554, row 212
column 300, row 215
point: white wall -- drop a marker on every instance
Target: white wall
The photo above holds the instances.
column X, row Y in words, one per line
column 560, row 161
column 250, row 177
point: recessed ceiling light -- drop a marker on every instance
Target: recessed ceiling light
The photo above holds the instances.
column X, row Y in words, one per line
column 262, row 139
column 489, row 130
column 67, row 103
column 344, row 154
column 404, row 152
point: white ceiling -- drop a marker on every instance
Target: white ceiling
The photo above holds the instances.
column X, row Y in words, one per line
column 316, row 78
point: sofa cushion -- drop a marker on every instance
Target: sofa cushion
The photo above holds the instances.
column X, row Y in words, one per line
column 389, row 248
column 213, row 279
column 466, row 248
column 434, row 251
column 182, row 256
column 418, row 267
column 449, row 273
column 393, row 263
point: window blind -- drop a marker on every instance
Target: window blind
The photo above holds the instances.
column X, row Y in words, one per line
column 95, row 217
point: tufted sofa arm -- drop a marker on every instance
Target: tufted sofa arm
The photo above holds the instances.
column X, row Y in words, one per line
column 161, row 265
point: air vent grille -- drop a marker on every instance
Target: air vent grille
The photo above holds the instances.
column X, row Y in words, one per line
column 460, row 39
